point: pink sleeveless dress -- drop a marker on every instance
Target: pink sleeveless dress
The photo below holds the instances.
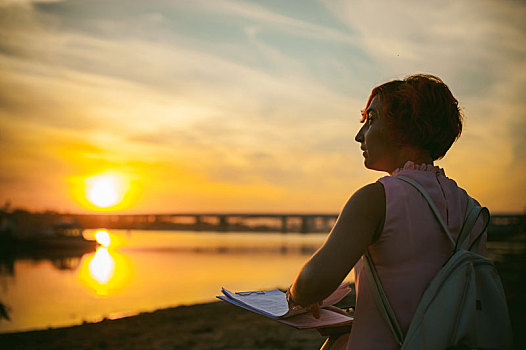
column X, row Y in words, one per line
column 409, row 252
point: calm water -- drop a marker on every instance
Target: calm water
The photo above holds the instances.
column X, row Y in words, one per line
column 144, row 271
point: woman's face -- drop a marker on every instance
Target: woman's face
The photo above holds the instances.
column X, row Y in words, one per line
column 379, row 149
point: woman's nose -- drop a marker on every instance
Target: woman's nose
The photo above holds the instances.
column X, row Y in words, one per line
column 359, row 135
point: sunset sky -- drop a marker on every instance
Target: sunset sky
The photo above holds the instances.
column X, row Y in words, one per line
column 244, row 106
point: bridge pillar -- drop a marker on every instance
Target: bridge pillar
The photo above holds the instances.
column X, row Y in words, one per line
column 197, row 223
column 223, row 223
column 284, row 228
column 306, row 224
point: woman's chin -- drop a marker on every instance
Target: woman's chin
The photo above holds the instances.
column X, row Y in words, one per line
column 372, row 166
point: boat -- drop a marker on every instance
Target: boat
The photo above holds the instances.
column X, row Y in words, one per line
column 63, row 235
column 22, row 231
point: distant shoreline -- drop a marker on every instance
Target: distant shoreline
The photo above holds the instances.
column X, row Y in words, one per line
column 216, row 222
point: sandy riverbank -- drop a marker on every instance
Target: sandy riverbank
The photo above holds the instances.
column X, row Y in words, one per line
column 216, row 325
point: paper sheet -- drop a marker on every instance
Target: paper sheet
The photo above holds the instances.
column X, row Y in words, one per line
column 272, row 303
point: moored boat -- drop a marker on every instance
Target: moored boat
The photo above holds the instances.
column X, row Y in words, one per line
column 26, row 231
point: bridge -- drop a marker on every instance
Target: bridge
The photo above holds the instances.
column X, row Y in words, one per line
column 275, row 222
column 291, row 222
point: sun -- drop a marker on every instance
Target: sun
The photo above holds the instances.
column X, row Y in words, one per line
column 104, row 191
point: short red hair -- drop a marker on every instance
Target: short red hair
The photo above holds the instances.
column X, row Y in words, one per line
column 421, row 111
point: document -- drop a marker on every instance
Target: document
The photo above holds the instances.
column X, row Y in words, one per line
column 273, row 304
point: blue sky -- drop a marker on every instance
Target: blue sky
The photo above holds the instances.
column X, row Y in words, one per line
column 246, row 105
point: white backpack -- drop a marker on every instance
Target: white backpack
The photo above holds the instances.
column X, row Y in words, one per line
column 464, row 306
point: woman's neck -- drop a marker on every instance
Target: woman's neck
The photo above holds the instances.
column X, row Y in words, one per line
column 413, row 154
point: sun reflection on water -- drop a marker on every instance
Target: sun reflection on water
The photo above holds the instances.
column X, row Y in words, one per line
column 106, row 271
column 102, row 266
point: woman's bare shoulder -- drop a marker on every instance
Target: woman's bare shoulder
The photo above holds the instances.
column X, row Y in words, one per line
column 368, row 201
column 365, row 210
column 371, row 192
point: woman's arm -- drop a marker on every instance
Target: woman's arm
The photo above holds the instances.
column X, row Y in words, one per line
column 359, row 224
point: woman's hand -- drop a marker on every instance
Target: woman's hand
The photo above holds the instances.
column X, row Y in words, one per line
column 313, row 308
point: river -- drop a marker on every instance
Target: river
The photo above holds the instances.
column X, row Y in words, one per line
column 143, row 271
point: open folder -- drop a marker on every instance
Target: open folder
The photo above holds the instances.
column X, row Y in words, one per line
column 273, row 304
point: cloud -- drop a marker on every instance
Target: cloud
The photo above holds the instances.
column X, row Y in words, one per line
column 24, row 3
column 455, row 37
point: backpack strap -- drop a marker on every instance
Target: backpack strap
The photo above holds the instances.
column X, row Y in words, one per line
column 472, row 214
column 469, row 220
column 381, row 299
column 431, row 205
column 486, row 213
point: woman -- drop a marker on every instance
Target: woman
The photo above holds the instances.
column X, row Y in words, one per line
column 408, row 124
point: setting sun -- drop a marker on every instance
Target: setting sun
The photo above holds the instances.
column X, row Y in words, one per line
column 104, row 190
column 111, row 190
